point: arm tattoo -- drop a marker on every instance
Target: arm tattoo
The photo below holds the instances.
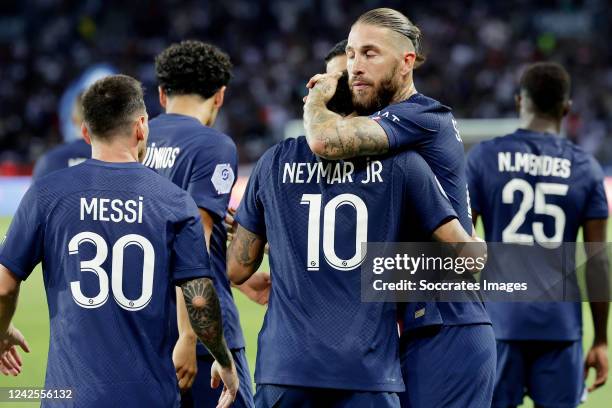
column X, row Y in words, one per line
column 246, row 248
column 342, row 138
column 205, row 315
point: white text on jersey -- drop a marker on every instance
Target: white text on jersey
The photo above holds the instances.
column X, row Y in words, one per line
column 534, row 165
column 330, row 172
column 105, row 209
column 161, row 157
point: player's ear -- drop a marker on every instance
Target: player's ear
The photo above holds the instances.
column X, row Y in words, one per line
column 517, row 102
column 408, row 62
column 219, row 97
column 141, row 128
column 85, row 133
column 163, row 98
column 567, row 107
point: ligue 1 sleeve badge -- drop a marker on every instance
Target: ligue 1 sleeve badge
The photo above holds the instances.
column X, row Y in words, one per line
column 223, row 178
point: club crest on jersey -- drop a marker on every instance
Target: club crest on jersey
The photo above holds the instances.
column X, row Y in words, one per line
column 223, row 178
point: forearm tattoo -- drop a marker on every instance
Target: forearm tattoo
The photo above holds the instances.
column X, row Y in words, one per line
column 246, row 248
column 204, row 313
column 342, row 138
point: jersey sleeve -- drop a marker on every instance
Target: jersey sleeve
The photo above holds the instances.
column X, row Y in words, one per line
column 213, row 177
column 190, row 259
column 404, row 127
column 22, row 248
column 251, row 213
column 42, row 167
column 424, row 194
column 597, row 203
column 474, row 179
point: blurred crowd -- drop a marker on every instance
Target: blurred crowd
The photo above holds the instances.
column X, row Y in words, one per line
column 475, row 51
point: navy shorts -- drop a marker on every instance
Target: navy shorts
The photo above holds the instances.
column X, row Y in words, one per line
column 202, row 396
column 550, row 372
column 448, row 366
column 283, row 396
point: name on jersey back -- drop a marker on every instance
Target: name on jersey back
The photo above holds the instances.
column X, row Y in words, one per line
column 331, row 172
column 534, row 165
column 111, row 210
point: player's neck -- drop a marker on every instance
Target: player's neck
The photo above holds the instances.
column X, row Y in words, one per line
column 404, row 93
column 114, row 153
column 541, row 125
column 193, row 106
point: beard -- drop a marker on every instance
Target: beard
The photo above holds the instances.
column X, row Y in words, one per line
column 381, row 96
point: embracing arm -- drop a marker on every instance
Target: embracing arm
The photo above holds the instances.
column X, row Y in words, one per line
column 464, row 244
column 244, row 255
column 334, row 137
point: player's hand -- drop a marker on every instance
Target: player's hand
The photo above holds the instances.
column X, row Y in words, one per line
column 257, row 287
column 597, row 358
column 229, row 377
column 10, row 360
column 185, row 361
column 230, row 223
column 322, row 87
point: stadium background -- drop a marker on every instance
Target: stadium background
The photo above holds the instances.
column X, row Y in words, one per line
column 475, row 51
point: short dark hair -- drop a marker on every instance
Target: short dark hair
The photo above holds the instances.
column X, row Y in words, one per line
column 192, row 67
column 548, row 86
column 396, row 21
column 110, row 104
column 337, row 50
column 342, row 101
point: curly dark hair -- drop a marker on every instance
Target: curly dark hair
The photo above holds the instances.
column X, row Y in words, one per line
column 110, row 104
column 548, row 85
column 192, row 67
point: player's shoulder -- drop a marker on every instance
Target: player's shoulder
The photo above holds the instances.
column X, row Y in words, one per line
column 585, row 161
column 68, row 149
column 501, row 142
column 418, row 110
column 189, row 132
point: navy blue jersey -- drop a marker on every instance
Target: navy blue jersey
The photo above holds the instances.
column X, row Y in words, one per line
column 114, row 239
column 203, row 162
column 315, row 215
column 423, row 124
column 535, row 188
column 63, row 156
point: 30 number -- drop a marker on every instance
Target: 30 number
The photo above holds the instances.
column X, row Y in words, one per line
column 329, row 228
column 537, row 201
column 95, row 266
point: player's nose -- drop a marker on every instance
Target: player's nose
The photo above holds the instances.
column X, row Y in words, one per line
column 356, row 66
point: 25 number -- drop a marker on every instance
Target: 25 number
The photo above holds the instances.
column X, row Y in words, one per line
column 536, row 200
column 95, row 266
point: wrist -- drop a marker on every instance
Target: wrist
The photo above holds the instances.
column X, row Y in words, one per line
column 600, row 341
column 189, row 336
column 314, row 100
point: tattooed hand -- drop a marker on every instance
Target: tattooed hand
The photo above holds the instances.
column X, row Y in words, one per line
column 322, row 87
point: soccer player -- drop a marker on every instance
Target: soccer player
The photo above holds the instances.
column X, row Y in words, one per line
column 114, row 239
column 184, row 148
column 383, row 50
column 320, row 345
column 535, row 187
column 68, row 154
